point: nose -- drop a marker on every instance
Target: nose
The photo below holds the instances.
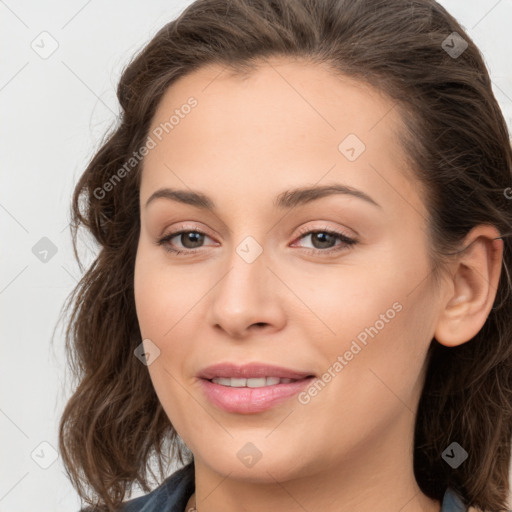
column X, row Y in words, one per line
column 248, row 298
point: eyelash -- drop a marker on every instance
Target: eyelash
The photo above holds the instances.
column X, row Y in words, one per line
column 347, row 241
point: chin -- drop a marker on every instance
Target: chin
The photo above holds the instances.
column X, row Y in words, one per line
column 266, row 466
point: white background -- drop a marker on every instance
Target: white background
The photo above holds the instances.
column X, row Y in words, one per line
column 54, row 112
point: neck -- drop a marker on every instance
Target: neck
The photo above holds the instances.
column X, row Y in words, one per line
column 375, row 476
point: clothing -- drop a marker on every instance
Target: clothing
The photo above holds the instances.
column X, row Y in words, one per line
column 173, row 494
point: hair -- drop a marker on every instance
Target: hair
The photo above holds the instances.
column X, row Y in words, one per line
column 457, row 143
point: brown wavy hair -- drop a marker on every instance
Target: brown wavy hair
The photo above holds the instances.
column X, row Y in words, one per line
column 457, row 142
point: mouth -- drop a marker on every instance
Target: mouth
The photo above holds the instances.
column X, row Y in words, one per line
column 254, row 382
column 251, row 371
column 251, row 388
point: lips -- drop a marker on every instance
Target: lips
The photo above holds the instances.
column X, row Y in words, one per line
column 251, row 371
column 255, row 382
column 251, row 388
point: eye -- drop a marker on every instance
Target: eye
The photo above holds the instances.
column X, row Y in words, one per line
column 192, row 240
column 322, row 240
column 188, row 239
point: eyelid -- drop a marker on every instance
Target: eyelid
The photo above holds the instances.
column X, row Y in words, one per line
column 347, row 242
column 301, row 231
column 185, row 227
column 166, row 236
column 325, row 228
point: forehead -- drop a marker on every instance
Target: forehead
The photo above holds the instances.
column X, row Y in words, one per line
column 285, row 121
column 309, row 97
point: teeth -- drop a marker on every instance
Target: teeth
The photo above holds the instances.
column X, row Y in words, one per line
column 257, row 382
column 223, row 381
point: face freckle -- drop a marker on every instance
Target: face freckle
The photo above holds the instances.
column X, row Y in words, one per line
column 360, row 320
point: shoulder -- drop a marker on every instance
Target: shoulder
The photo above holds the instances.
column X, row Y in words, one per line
column 452, row 502
column 170, row 496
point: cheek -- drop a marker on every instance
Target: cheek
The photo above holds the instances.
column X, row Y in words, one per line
column 381, row 323
column 158, row 310
column 156, row 299
column 379, row 378
column 164, row 301
column 349, row 303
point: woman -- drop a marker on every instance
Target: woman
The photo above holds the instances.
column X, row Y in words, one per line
column 302, row 291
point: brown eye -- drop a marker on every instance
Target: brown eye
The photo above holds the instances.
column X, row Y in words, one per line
column 323, row 240
column 190, row 240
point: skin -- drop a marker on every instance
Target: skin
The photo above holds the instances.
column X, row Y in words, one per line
column 249, row 139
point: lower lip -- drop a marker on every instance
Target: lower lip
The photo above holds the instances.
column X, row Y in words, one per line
column 251, row 400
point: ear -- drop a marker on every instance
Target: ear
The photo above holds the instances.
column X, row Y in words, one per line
column 472, row 288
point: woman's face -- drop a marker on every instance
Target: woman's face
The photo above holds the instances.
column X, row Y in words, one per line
column 334, row 285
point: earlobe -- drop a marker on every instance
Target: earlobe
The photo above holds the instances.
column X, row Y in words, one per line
column 472, row 288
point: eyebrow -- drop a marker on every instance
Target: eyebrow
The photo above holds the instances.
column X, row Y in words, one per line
column 287, row 199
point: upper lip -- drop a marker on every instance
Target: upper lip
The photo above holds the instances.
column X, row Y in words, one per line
column 250, row 370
